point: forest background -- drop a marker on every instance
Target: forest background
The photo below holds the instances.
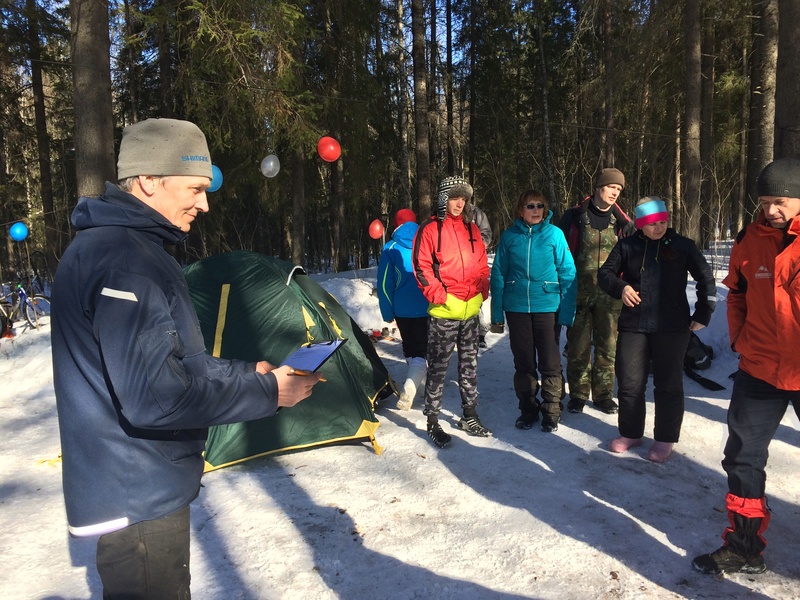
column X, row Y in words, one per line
column 689, row 98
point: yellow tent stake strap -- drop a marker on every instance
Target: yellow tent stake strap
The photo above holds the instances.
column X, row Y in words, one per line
column 308, row 320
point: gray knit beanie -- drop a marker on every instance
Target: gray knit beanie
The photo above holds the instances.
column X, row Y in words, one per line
column 780, row 178
column 608, row 176
column 452, row 187
column 163, row 147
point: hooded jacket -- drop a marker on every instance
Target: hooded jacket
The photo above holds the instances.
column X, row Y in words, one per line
column 764, row 302
column 135, row 388
column 398, row 292
column 658, row 269
column 533, row 271
column 451, row 267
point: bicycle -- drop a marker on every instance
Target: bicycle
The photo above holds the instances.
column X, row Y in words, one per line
column 16, row 303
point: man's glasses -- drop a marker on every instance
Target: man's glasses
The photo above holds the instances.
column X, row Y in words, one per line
column 540, row 206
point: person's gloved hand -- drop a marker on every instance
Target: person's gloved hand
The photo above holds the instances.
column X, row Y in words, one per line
column 497, row 328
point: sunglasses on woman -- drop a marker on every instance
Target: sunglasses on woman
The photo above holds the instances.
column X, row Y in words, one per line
column 540, row 206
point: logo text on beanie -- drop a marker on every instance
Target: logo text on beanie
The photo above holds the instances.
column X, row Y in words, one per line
column 194, row 158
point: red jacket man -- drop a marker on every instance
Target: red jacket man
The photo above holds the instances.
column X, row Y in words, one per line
column 763, row 311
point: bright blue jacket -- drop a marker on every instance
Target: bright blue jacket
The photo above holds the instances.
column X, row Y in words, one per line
column 533, row 271
column 135, row 388
column 398, row 292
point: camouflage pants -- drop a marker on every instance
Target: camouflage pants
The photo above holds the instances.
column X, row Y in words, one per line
column 595, row 325
column 443, row 336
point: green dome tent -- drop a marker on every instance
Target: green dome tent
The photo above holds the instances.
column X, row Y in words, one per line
column 255, row 307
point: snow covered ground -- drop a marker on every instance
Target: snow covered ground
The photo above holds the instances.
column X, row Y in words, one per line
column 524, row 514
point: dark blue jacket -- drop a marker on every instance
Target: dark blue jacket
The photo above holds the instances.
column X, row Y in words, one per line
column 659, row 271
column 134, row 386
column 398, row 292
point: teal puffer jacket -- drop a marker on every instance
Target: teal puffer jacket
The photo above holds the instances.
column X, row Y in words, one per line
column 533, row 271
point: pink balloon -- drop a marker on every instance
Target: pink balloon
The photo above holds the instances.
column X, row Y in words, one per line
column 376, row 229
column 329, row 149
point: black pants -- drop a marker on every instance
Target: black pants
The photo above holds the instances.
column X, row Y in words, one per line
column 755, row 411
column 635, row 351
column 414, row 333
column 534, row 348
column 147, row 561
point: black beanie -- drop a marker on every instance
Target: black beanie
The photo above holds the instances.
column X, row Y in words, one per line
column 780, row 178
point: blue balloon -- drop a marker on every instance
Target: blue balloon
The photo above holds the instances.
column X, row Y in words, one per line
column 18, row 231
column 216, row 180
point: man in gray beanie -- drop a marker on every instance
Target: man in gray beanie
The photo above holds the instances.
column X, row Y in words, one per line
column 135, row 389
column 764, row 326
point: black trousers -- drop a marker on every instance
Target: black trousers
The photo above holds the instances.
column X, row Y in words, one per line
column 147, row 561
column 414, row 333
column 534, row 348
column 635, row 351
column 755, row 411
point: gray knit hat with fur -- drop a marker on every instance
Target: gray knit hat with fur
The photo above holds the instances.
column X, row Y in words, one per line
column 452, row 187
column 163, row 147
column 780, row 178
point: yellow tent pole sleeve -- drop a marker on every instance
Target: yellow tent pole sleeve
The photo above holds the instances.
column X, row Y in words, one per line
column 223, row 310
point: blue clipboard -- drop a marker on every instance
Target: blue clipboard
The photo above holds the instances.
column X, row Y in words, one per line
column 312, row 356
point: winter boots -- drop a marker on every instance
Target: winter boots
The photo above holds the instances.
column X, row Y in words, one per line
column 550, row 406
column 438, row 435
column 415, row 378
column 743, row 546
column 473, row 426
column 606, row 405
column 526, row 386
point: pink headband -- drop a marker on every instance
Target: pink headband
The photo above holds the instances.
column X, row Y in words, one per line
column 650, row 212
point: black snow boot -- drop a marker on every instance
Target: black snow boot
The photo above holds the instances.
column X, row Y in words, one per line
column 438, row 435
column 744, row 543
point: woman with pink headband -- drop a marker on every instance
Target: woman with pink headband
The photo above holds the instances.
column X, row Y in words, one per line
column 649, row 272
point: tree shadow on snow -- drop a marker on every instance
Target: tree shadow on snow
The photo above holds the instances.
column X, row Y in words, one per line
column 641, row 514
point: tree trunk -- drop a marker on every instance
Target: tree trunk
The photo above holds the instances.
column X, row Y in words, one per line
column 708, row 211
column 91, row 75
column 403, row 109
column 421, row 118
column 548, row 158
column 432, row 95
column 51, row 233
column 165, row 83
column 132, row 71
column 609, row 154
column 339, row 254
column 451, row 161
column 761, row 137
column 298, row 241
column 691, row 119
column 787, row 89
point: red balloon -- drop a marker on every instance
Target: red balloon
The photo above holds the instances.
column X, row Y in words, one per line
column 329, row 149
column 376, row 229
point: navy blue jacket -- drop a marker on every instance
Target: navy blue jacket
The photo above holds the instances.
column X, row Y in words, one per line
column 659, row 271
column 135, row 389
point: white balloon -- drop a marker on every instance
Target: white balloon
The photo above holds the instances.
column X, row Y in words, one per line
column 270, row 166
